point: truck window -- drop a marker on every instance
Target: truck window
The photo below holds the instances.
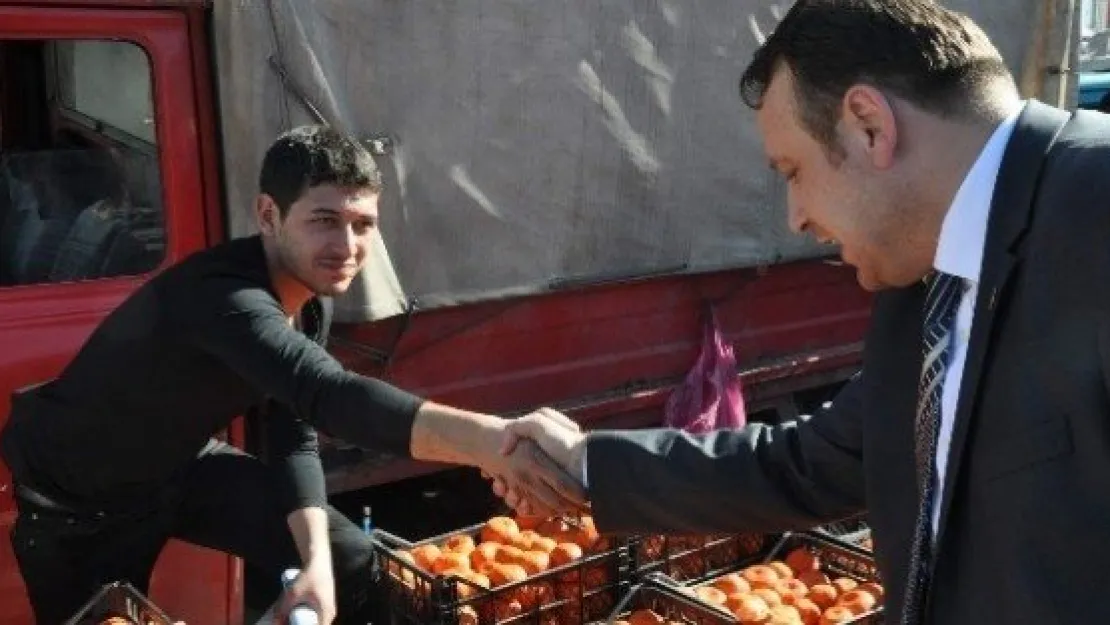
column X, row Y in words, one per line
column 80, row 190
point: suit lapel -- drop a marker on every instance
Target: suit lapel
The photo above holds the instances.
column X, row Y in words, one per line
column 1011, row 210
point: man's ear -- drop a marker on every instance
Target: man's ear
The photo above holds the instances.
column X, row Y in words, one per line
column 869, row 124
column 267, row 213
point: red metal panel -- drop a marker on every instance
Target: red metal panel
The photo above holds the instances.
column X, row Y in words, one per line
column 207, row 127
column 41, row 326
column 514, row 354
column 208, row 145
column 613, row 353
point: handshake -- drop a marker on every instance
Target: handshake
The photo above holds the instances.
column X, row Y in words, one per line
column 539, row 467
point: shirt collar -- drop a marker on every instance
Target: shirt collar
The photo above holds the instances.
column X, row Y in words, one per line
column 963, row 234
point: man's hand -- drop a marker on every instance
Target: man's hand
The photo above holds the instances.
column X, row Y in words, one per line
column 560, row 440
column 444, row 434
column 315, row 587
column 536, row 483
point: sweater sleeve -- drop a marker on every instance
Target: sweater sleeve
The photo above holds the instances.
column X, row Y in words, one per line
column 245, row 327
column 295, row 452
column 764, row 478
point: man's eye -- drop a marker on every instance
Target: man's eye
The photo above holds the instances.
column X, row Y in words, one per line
column 324, row 220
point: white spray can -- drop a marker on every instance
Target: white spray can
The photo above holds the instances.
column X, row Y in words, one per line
column 300, row 614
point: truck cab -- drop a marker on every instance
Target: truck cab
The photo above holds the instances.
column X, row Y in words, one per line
column 108, row 174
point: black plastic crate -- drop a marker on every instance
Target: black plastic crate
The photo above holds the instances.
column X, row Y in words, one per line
column 692, row 558
column 585, row 590
column 671, row 602
column 120, row 599
column 837, row 559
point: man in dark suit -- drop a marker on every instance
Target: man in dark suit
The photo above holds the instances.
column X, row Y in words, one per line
column 977, row 435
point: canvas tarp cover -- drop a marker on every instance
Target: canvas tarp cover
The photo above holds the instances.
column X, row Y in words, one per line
column 536, row 144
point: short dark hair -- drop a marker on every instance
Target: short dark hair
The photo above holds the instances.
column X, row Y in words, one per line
column 310, row 156
column 917, row 50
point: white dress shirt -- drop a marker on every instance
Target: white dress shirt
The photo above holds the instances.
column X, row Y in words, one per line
column 963, row 236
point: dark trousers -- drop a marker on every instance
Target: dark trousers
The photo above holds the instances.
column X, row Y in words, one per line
column 225, row 501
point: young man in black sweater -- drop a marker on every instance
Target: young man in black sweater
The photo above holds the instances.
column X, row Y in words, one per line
column 117, row 454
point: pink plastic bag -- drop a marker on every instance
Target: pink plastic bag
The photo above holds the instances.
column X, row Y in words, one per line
column 710, row 397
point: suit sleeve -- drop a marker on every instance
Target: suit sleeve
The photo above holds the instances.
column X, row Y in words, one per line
column 245, row 327
column 760, row 478
column 294, row 449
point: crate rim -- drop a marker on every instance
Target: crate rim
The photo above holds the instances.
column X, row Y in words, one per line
column 661, row 583
column 829, row 540
column 126, row 587
column 641, row 569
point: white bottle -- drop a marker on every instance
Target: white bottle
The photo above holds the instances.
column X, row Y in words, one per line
column 300, row 614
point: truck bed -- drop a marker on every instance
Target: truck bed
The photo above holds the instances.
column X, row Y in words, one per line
column 610, row 354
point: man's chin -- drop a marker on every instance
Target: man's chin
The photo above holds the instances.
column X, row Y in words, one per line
column 333, row 289
column 872, row 287
column 868, row 282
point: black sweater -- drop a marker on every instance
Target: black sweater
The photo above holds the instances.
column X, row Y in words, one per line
column 199, row 344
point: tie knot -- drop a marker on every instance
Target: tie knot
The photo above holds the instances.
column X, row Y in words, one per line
column 941, row 298
column 939, row 278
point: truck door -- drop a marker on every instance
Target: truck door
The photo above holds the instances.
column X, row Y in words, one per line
column 100, row 187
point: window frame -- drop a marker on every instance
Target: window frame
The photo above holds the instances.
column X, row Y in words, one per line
column 70, row 117
column 160, row 34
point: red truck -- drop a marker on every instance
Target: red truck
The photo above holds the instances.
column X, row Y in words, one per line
column 117, row 159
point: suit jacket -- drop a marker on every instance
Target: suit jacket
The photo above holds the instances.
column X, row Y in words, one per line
column 1025, row 517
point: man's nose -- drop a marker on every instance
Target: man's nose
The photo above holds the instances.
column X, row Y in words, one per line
column 795, row 218
column 349, row 241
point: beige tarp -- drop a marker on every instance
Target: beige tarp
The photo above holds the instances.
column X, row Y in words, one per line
column 537, row 143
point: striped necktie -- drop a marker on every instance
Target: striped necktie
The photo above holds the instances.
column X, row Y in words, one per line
column 940, row 309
